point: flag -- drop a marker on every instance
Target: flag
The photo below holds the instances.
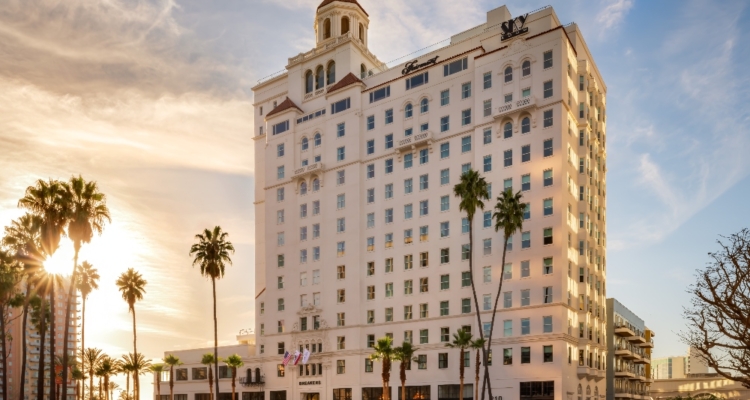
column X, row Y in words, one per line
column 297, row 357
column 287, row 357
column 305, row 356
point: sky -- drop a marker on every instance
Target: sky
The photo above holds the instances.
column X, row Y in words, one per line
column 153, row 100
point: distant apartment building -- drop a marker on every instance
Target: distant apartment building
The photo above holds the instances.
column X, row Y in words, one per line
column 679, row 367
column 630, row 345
column 33, row 348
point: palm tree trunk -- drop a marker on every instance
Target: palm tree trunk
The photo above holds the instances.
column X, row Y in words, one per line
column 106, row 387
column 83, row 332
column 403, row 380
column 40, row 376
column 216, row 339
column 91, row 382
column 474, row 294
column 497, row 300
column 384, row 376
column 127, row 384
column 23, row 339
column 171, row 382
column 234, row 375
column 211, row 382
column 52, row 301
column 66, row 330
column 100, row 388
column 4, row 350
column 461, row 375
column 157, row 382
column 135, row 356
column 476, row 378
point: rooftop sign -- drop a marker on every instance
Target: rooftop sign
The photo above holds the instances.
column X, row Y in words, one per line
column 514, row 27
column 413, row 66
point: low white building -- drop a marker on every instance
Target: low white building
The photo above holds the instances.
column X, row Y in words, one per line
column 359, row 236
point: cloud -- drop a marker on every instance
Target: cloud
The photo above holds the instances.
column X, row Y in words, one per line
column 613, row 13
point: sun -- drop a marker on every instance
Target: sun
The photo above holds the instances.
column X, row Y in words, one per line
column 61, row 262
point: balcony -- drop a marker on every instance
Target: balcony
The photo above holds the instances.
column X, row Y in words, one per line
column 586, row 372
column 624, row 331
column 516, row 106
column 623, row 352
column 637, row 339
column 648, row 343
column 623, row 394
column 411, row 142
column 307, row 170
column 623, row 373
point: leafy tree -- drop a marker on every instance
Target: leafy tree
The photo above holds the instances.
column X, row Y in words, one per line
column 384, row 352
column 172, row 360
column 718, row 322
column 461, row 341
column 404, row 354
column 233, row 362
column 132, row 287
column 211, row 254
column 472, row 190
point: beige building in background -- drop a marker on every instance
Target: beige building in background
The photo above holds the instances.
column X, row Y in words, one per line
column 699, row 385
column 679, row 367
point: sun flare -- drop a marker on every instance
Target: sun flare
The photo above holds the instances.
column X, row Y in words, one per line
column 62, row 261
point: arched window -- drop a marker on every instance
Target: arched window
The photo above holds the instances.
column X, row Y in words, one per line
column 526, row 68
column 507, row 130
column 361, row 32
column 588, row 390
column 344, row 25
column 320, row 78
column 308, row 81
column 318, row 139
column 327, row 28
column 303, row 188
column 508, row 74
column 580, row 392
column 331, row 72
column 525, row 125
column 305, row 144
column 408, row 110
column 315, row 185
column 424, row 106
column 363, row 71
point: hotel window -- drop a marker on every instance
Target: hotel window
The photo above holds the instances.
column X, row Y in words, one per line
column 408, row 160
column 442, row 360
column 508, row 271
column 388, row 166
column 445, row 123
column 424, row 286
column 507, row 130
column 508, row 74
column 487, row 274
column 487, row 248
column 341, row 153
column 408, row 211
column 280, row 150
column 340, row 177
column 525, row 297
column 280, row 304
column 423, row 312
column 340, row 201
column 547, row 324
column 525, row 326
column 340, row 319
column 465, row 279
column 444, row 282
column 424, row 106
column 487, row 219
column 508, row 97
column 340, row 225
column 340, row 367
column 280, row 260
column 525, row 269
column 487, row 163
column 388, row 191
column 465, row 144
column 389, row 314
column 423, row 336
column 548, row 59
column 280, row 217
column 281, row 127
column 445, row 97
column 407, row 236
column 417, row 80
column 408, row 110
column 370, row 341
column 464, row 252
column 316, row 231
column 389, row 141
column 547, row 236
column 388, row 116
column 507, row 356
column 466, row 90
column 487, row 302
column 388, row 265
column 380, row 94
column 340, row 249
column 280, row 194
column 527, row 211
column 280, row 172
column 423, row 156
column 444, row 203
column 487, row 80
column 547, row 353
column 388, row 240
column 548, row 295
column 548, row 207
column 465, row 306
column 423, row 182
column 388, row 215
column 525, row 355
column 316, row 207
column 371, row 293
column 466, row 117
column 487, row 135
column 548, row 118
column 423, row 233
column 508, row 158
column 508, row 299
column 526, row 153
column 370, row 122
column 280, row 326
column 444, row 176
column 340, row 106
column 424, row 259
column 370, row 147
column 444, row 256
column 509, row 246
column 408, row 286
column 548, row 148
column 547, row 89
column 526, row 68
column 407, row 313
column 548, row 177
column 389, row 289
column 525, row 240
column 370, row 196
column 445, row 229
column 445, row 151
column 547, row 266
column 422, row 361
column 455, row 67
column 445, row 335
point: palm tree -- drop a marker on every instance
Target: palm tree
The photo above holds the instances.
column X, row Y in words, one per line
column 40, row 317
column 132, row 285
column 472, row 190
column 10, row 276
column 112, row 387
column 157, row 369
column 233, row 362
column 461, row 341
column 127, row 366
column 508, row 219
column 384, row 352
column 86, row 212
column 107, row 368
column 211, row 253
column 91, row 359
column 207, row 360
column 477, row 344
column 79, row 377
column 46, row 283
column 48, row 201
column 171, row 360
column 404, row 354
column 137, row 365
column 88, row 280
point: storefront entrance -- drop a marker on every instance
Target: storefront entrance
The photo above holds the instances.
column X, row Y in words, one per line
column 310, row 396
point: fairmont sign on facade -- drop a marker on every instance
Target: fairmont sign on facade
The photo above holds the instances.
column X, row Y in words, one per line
column 514, row 27
column 412, row 66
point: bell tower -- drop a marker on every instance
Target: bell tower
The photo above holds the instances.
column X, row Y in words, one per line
column 336, row 18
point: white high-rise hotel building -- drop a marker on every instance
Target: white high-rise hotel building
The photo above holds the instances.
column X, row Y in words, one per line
column 359, row 235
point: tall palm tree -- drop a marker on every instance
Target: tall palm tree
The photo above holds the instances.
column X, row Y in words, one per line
column 508, row 218
column 107, row 368
column 477, row 344
column 99, row 372
column 91, row 359
column 211, row 253
column 384, row 352
column 157, row 369
column 171, row 360
column 472, row 190
column 88, row 280
column 461, row 341
column 47, row 283
column 404, row 354
column 208, row 360
column 132, row 285
column 233, row 362
column 86, row 212
column 48, row 200
column 10, row 276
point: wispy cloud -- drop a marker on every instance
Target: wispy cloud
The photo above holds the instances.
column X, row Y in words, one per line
column 614, row 12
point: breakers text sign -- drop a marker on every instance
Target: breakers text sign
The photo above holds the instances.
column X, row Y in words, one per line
column 413, row 66
column 514, row 27
column 304, row 383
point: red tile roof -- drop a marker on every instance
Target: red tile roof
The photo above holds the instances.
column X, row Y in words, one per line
column 349, row 79
column 285, row 105
column 327, row 2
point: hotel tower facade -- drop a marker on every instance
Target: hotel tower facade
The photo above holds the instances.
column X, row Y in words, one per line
column 359, row 235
